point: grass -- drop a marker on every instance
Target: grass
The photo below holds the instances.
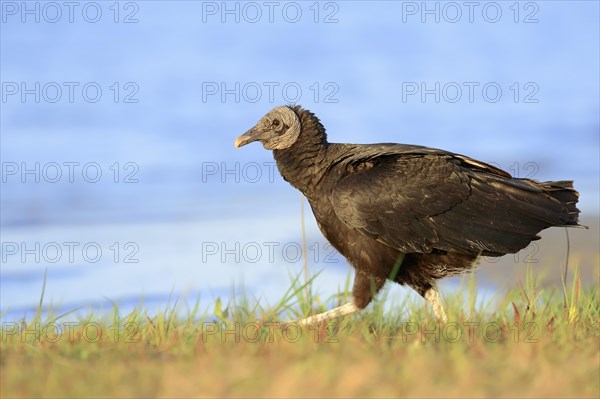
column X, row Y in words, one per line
column 527, row 342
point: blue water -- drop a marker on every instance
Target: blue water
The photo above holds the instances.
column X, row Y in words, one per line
column 179, row 85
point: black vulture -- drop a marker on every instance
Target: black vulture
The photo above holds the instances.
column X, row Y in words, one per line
column 407, row 213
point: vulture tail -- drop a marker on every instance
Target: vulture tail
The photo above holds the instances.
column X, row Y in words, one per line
column 564, row 192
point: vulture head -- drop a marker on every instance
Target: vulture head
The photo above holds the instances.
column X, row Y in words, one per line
column 277, row 130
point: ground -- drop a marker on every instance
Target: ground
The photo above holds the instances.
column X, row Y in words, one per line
column 528, row 342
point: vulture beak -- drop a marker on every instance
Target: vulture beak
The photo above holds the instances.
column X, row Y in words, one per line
column 248, row 137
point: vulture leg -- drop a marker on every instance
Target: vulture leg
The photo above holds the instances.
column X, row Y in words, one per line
column 343, row 310
column 364, row 289
column 433, row 297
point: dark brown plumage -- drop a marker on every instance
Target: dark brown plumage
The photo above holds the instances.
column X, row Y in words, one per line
column 428, row 212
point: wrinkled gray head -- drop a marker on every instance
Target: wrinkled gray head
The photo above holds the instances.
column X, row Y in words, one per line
column 277, row 130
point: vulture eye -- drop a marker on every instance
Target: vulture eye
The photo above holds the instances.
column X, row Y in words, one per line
column 276, row 122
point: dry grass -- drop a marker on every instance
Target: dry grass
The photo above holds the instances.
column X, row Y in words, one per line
column 530, row 343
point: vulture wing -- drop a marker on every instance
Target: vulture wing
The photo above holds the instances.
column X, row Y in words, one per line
column 418, row 199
